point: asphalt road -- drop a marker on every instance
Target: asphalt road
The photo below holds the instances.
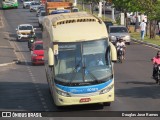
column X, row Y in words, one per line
column 24, row 87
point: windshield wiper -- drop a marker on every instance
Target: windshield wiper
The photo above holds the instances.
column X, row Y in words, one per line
column 74, row 72
column 92, row 75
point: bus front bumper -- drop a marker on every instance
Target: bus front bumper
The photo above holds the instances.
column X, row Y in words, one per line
column 9, row 5
column 67, row 101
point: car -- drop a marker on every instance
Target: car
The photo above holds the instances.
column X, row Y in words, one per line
column 24, row 31
column 42, row 14
column 37, row 52
column 105, row 8
column 75, row 9
column 119, row 32
column 108, row 23
column 39, row 10
column 26, row 3
column 140, row 18
column 34, row 6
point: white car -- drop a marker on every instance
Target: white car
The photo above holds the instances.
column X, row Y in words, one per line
column 24, row 31
column 140, row 18
column 34, row 6
column 26, row 3
column 42, row 14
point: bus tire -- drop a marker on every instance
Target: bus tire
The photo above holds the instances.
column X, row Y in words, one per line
column 107, row 103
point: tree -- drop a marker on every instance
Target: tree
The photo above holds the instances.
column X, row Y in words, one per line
column 151, row 8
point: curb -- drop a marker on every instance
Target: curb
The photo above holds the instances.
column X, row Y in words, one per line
column 146, row 43
column 5, row 64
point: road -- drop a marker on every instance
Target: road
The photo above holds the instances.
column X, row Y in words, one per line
column 24, row 87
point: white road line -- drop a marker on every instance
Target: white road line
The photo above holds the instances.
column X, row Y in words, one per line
column 29, row 71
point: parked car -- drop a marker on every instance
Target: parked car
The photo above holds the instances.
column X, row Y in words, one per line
column 37, row 53
column 42, row 14
column 34, row 6
column 24, row 31
column 119, row 32
column 140, row 17
column 107, row 8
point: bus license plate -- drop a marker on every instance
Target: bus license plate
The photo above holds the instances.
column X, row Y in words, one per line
column 85, row 100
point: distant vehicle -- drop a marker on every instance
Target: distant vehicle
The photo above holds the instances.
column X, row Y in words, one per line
column 108, row 23
column 58, row 7
column 24, row 31
column 26, row 3
column 120, row 32
column 140, row 16
column 9, row 4
column 60, row 11
column 34, row 6
column 41, row 16
column 37, row 53
column 107, row 7
column 39, row 10
column 75, row 9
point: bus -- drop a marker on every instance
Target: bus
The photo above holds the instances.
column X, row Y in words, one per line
column 9, row 4
column 78, row 59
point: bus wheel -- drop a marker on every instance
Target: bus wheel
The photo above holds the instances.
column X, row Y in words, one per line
column 107, row 103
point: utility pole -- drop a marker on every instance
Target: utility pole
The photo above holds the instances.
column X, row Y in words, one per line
column 100, row 9
column 113, row 13
column 75, row 3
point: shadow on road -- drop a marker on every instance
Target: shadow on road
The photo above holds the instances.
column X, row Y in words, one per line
column 22, row 96
column 148, row 90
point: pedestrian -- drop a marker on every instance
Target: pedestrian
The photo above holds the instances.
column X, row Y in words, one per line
column 143, row 29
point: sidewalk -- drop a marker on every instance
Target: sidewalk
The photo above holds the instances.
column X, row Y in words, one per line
column 7, row 55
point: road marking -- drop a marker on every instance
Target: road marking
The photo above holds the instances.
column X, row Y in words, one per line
column 5, row 47
column 5, row 64
column 1, row 21
column 20, row 56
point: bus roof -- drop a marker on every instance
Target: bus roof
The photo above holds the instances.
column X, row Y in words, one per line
column 71, row 27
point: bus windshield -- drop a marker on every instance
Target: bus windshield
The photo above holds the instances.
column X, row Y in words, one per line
column 83, row 62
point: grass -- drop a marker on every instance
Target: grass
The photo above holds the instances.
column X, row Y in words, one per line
column 136, row 35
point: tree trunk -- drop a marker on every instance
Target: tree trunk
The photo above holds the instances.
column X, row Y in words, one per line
column 153, row 29
column 147, row 29
column 126, row 19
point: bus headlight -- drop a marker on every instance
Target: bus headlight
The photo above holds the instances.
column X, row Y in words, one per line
column 106, row 89
column 63, row 93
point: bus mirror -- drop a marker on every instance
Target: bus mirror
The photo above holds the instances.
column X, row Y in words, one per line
column 113, row 52
column 50, row 58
